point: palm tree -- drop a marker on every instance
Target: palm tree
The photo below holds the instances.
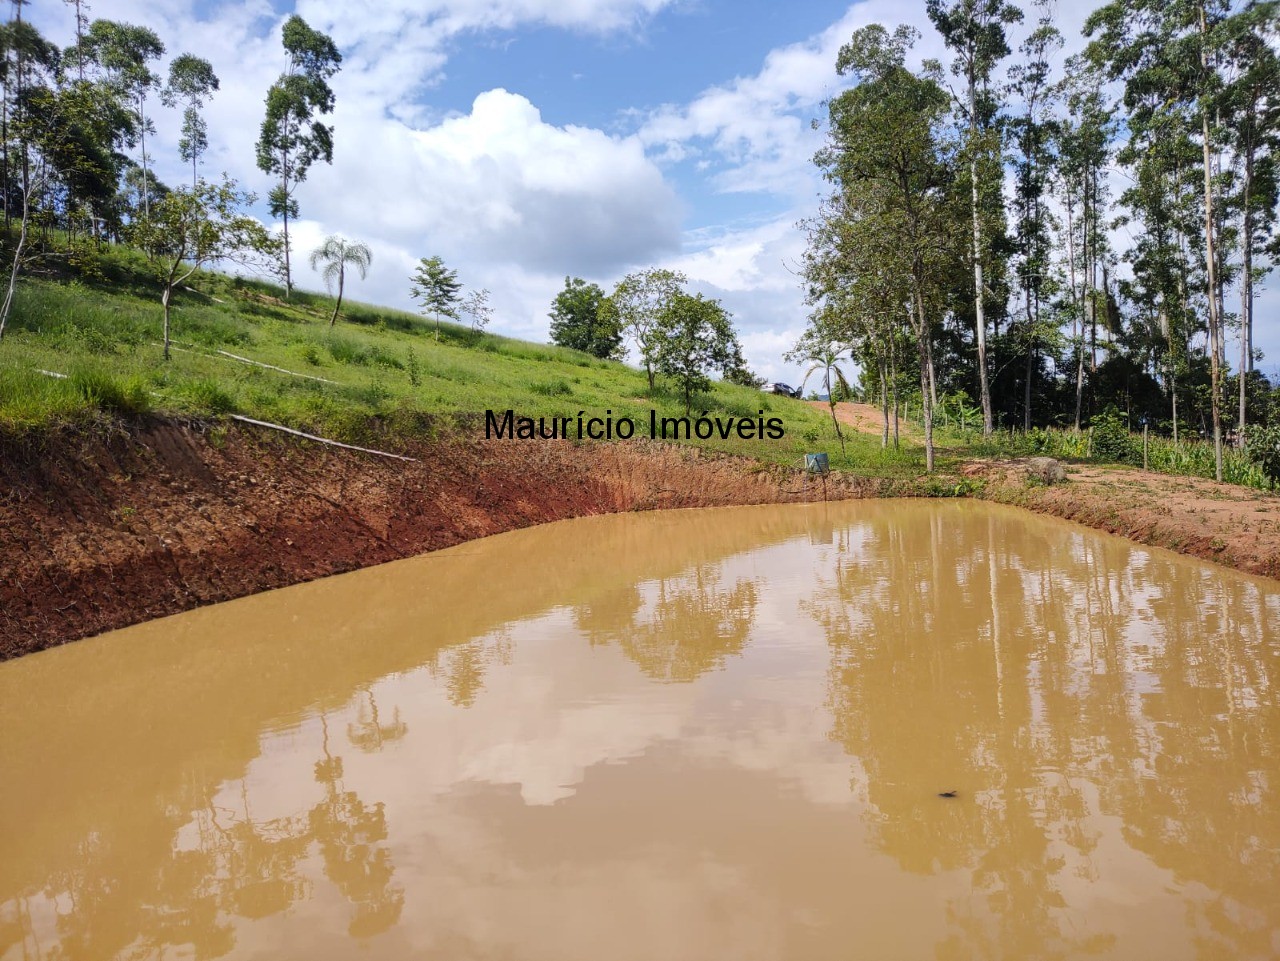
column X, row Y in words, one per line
column 827, row 358
column 335, row 253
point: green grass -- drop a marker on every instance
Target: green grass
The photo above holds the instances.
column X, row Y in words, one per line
column 379, row 375
column 382, row 377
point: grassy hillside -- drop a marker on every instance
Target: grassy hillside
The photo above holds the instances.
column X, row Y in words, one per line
column 378, row 376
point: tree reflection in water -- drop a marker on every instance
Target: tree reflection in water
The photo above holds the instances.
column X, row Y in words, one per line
column 1108, row 716
column 1055, row 692
column 691, row 624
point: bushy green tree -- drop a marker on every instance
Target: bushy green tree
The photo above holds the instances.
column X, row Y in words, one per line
column 578, row 322
column 691, row 338
column 636, row 304
column 124, row 51
column 892, row 172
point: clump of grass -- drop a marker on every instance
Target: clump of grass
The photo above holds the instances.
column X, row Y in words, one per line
column 205, row 396
column 346, row 351
column 30, row 399
column 552, row 388
column 104, row 391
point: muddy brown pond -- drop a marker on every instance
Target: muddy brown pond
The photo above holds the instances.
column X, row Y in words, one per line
column 719, row 734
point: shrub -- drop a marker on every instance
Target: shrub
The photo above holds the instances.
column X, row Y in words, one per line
column 1111, row 440
column 1262, row 444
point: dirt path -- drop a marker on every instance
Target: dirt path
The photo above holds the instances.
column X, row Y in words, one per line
column 864, row 418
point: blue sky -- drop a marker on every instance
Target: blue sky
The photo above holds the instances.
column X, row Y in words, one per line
column 527, row 140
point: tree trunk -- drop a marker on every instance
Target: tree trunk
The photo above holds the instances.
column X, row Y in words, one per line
column 893, row 370
column 146, row 177
column 17, row 263
column 342, row 276
column 164, row 299
column 980, row 320
column 1246, row 284
column 926, row 378
column 1210, row 256
column 884, row 402
column 288, row 277
column 1077, row 329
column 1026, row 393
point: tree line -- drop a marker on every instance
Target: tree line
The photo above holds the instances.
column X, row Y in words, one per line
column 968, row 242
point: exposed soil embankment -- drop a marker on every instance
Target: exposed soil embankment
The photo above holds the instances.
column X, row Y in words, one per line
column 106, row 528
column 103, row 529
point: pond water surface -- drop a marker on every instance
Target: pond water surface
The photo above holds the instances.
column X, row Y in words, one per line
column 719, row 734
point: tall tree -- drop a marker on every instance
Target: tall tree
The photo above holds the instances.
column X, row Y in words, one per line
column 974, row 30
column 436, row 286
column 1174, row 46
column 26, row 61
column 333, row 257
column 124, row 51
column 887, row 157
column 578, row 322
column 1251, row 102
column 292, row 139
column 1085, row 138
column 191, row 82
column 636, row 304
column 81, row 8
column 1033, row 135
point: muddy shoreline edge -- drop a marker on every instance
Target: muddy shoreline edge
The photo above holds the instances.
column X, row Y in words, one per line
column 111, row 526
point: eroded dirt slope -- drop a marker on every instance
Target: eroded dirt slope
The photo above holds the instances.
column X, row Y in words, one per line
column 102, row 530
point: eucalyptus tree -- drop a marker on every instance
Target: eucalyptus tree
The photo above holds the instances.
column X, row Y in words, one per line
column 1033, row 135
column 1085, row 138
column 27, row 60
column 81, row 15
column 637, row 303
column 436, row 286
column 1173, row 46
column 975, row 31
column 124, row 52
column 1252, row 104
column 191, row 82
column 887, row 158
column 333, row 257
column 291, row 138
